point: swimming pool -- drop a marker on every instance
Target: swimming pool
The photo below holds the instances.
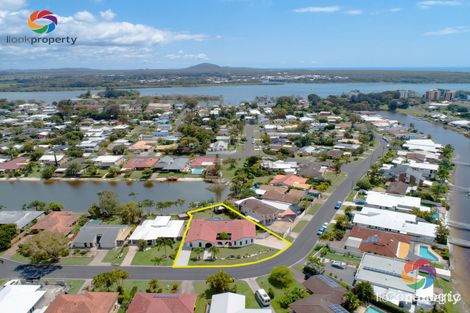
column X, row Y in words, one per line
column 197, row 171
column 425, row 253
column 373, row 309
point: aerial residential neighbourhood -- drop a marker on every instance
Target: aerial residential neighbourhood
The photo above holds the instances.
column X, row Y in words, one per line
column 323, row 167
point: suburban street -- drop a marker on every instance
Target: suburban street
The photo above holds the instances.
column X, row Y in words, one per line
column 296, row 253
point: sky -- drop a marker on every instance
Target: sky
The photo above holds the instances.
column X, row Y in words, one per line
column 140, row 34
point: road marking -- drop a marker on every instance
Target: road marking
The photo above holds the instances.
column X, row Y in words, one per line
column 190, row 213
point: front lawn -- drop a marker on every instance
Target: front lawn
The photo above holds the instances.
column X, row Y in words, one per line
column 300, row 226
column 156, row 256
column 242, row 255
column 115, row 256
column 264, row 283
column 76, row 260
column 19, row 258
column 312, row 210
column 73, row 285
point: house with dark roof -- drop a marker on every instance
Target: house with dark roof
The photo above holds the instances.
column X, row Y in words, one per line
column 162, row 303
column 327, row 296
column 172, row 164
column 378, row 242
column 220, row 233
column 20, row 218
column 259, row 211
column 398, row 188
column 88, row 302
column 102, row 236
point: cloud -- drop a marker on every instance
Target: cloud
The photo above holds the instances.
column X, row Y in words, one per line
column 449, row 31
column 323, row 9
column 433, row 3
column 181, row 55
column 354, row 12
column 11, row 4
column 108, row 15
column 99, row 37
column 387, row 11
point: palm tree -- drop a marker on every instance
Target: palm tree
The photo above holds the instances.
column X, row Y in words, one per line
column 214, row 251
column 198, row 251
column 164, row 242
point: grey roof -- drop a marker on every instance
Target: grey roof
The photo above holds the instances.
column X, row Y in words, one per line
column 172, row 163
column 90, row 232
column 20, row 218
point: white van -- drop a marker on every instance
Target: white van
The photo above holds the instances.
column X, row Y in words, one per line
column 262, row 297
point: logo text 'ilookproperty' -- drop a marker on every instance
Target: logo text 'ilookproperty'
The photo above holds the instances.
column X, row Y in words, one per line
column 42, row 22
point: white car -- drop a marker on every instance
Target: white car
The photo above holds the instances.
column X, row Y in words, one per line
column 339, row 264
column 262, row 297
column 325, row 224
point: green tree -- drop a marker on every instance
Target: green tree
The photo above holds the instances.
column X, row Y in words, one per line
column 45, row 247
column 164, row 243
column 130, row 213
column 73, row 169
column 36, row 205
column 214, row 251
column 364, row 291
column 55, row 206
column 107, row 203
column 153, row 286
column 7, row 233
column 281, row 277
column 442, row 232
column 47, row 172
column 290, row 297
column 198, row 251
column 221, row 282
column 142, row 244
column 351, row 301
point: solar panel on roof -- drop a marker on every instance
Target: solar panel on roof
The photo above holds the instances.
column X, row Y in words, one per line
column 329, row 281
column 337, row 308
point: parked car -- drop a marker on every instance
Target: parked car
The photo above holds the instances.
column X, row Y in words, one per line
column 338, row 264
column 321, row 230
column 338, row 205
column 325, row 224
column 262, row 297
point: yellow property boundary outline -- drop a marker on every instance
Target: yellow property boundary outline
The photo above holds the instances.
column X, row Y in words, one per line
column 227, row 265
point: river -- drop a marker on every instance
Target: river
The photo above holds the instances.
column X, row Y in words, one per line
column 238, row 93
column 460, row 201
column 78, row 196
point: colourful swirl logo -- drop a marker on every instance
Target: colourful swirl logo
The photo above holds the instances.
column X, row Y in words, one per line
column 420, row 265
column 46, row 19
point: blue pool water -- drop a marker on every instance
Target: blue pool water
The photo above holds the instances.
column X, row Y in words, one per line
column 424, row 253
column 197, row 171
column 372, row 309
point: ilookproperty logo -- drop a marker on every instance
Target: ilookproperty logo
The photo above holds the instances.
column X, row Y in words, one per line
column 42, row 23
column 420, row 265
column 44, row 16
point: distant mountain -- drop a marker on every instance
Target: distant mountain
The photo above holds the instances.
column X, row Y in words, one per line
column 214, row 68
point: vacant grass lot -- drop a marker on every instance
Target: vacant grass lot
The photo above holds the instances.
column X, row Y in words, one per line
column 300, row 226
column 236, row 255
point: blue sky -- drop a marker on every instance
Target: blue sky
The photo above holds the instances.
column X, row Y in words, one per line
column 256, row 33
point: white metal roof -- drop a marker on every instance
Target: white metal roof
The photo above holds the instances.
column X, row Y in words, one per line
column 396, row 221
column 232, row 303
column 383, row 199
column 19, row 298
column 162, row 226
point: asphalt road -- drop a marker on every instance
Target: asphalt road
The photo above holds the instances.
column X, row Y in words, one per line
column 249, row 147
column 296, row 253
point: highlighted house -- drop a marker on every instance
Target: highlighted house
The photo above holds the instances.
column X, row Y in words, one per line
column 220, row 233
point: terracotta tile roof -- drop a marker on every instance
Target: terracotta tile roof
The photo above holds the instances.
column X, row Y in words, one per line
column 379, row 242
column 198, row 161
column 14, row 164
column 61, row 222
column 89, row 302
column 140, row 163
column 207, row 230
column 288, row 180
column 143, row 145
column 162, row 303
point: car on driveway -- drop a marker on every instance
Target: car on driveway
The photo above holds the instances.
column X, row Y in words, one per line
column 338, row 205
column 338, row 264
column 262, row 298
column 325, row 224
